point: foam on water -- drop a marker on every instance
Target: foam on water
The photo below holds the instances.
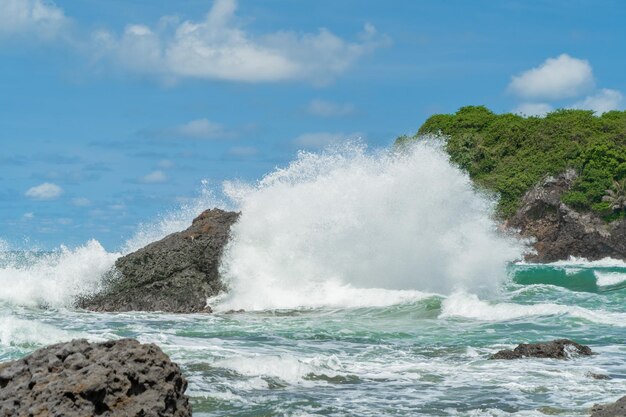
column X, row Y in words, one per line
column 604, row 279
column 469, row 306
column 333, row 223
column 576, row 263
column 53, row 279
column 19, row 332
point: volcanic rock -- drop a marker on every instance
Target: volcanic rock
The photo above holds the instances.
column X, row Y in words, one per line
column 560, row 232
column 79, row 378
column 556, row 349
column 175, row 274
column 616, row 409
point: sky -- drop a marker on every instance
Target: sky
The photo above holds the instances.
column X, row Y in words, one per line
column 114, row 112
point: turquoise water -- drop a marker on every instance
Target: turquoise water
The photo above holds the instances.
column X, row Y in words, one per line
column 421, row 357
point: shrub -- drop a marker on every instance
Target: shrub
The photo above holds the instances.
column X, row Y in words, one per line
column 508, row 153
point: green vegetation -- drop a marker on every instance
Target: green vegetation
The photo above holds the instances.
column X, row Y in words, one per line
column 508, row 154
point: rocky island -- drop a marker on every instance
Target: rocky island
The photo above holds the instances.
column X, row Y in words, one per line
column 176, row 274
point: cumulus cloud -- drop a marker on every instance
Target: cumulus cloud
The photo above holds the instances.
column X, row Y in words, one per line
column 218, row 47
column 533, row 109
column 601, row 102
column 45, row 191
column 556, row 78
column 319, row 140
column 31, row 18
column 154, row 177
column 324, row 108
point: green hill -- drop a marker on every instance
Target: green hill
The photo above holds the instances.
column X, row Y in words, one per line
column 508, row 153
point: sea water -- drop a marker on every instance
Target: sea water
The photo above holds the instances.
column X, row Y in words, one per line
column 373, row 284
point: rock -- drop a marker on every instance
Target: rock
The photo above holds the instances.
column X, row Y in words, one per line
column 616, row 409
column 175, row 274
column 598, row 376
column 79, row 378
column 560, row 232
column 557, row 349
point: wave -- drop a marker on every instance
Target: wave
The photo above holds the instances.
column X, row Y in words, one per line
column 53, row 279
column 469, row 306
column 333, row 223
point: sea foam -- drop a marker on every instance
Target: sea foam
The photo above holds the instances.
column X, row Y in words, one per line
column 331, row 224
column 53, row 279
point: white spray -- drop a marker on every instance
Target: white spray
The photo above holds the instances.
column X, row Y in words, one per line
column 331, row 228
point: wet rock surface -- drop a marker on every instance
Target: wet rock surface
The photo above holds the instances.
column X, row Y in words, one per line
column 560, row 232
column 175, row 274
column 616, row 409
column 556, row 349
column 79, row 378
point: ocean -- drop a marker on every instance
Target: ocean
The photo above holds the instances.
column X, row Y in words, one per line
column 371, row 284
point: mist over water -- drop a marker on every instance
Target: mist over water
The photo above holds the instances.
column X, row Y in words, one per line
column 333, row 226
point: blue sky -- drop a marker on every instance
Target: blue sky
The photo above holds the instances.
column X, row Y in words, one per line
column 112, row 112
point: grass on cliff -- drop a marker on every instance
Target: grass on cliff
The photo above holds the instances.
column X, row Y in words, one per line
column 508, row 153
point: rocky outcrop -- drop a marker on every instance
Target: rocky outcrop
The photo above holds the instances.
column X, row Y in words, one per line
column 616, row 409
column 560, row 232
column 174, row 274
column 78, row 378
column 556, row 349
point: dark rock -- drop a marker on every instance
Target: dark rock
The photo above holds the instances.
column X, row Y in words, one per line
column 557, row 349
column 616, row 409
column 598, row 376
column 174, row 274
column 79, row 378
column 560, row 232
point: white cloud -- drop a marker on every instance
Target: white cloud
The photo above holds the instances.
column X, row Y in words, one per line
column 81, row 202
column 29, row 215
column 200, row 129
column 243, row 151
column 319, row 140
column 45, row 191
column 154, row 177
column 601, row 102
column 324, row 108
column 533, row 109
column 556, row 78
column 38, row 18
column 165, row 164
column 195, row 129
column 220, row 48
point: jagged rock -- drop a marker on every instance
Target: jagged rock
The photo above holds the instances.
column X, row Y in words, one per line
column 616, row 409
column 174, row 274
column 560, row 232
column 79, row 378
column 556, row 349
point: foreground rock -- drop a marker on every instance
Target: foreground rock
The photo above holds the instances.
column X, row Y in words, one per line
column 175, row 274
column 78, row 378
column 560, row 231
column 557, row 349
column 616, row 409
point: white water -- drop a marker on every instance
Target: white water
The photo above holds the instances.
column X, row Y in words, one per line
column 329, row 225
column 470, row 306
column 53, row 279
